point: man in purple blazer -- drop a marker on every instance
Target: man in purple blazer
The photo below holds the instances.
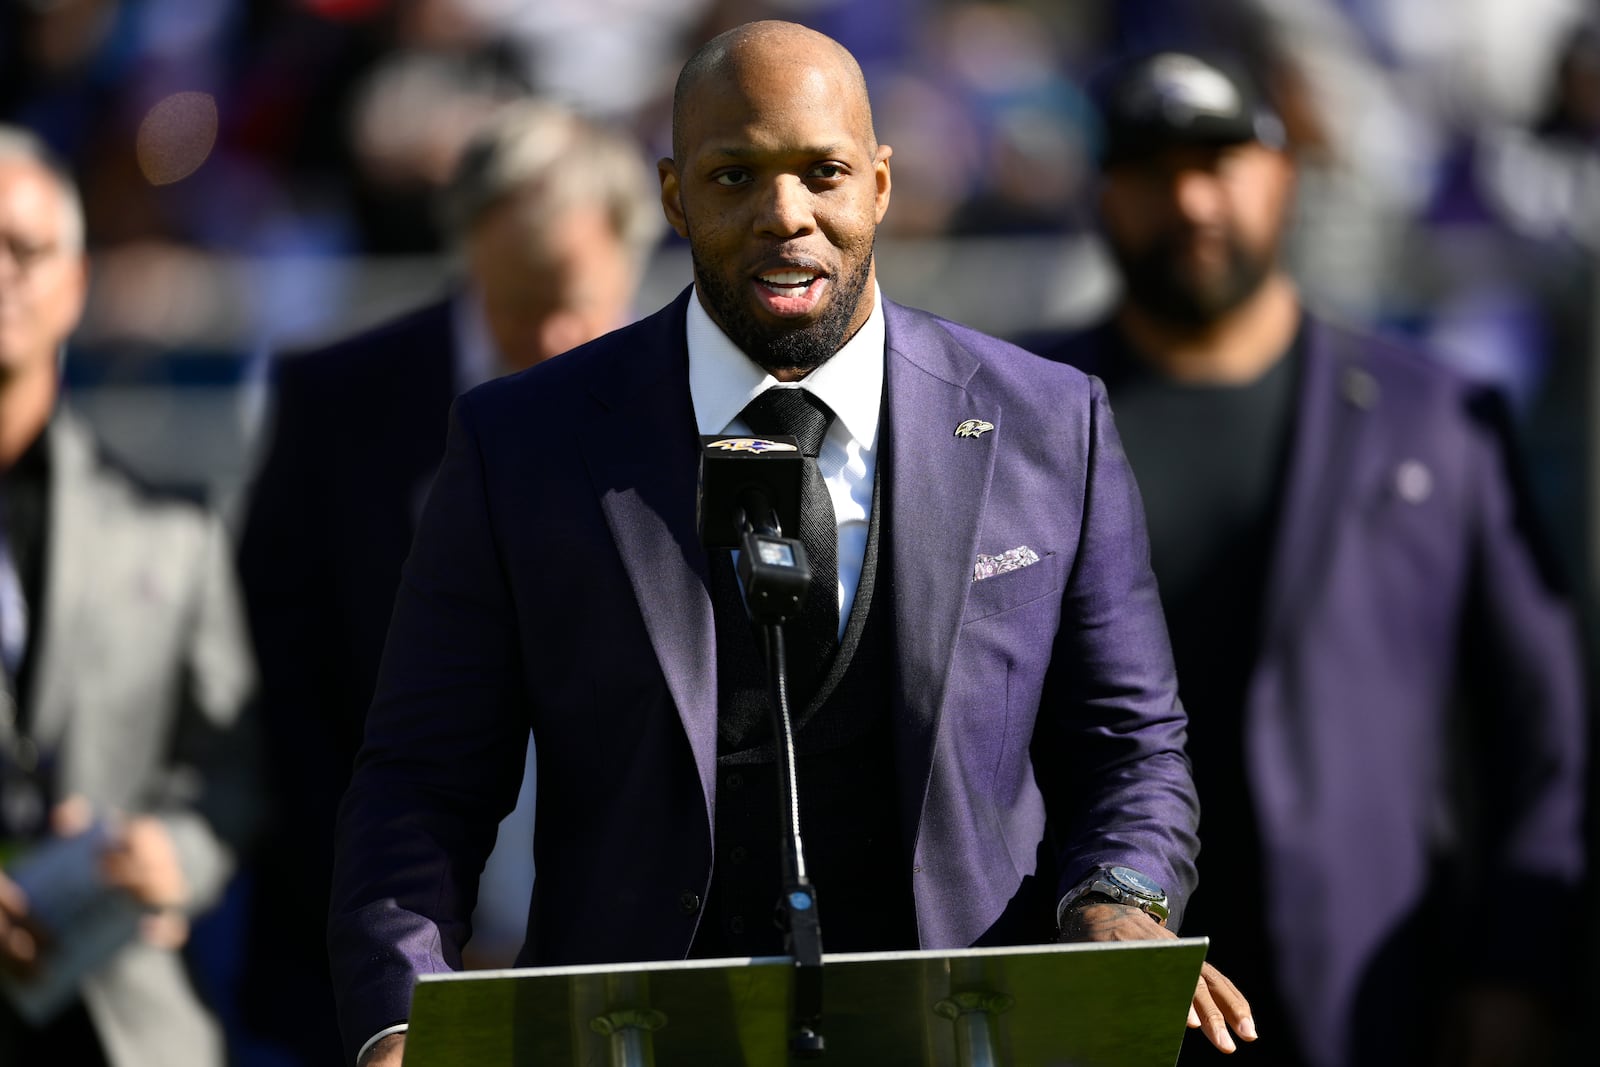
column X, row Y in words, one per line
column 1381, row 673
column 993, row 719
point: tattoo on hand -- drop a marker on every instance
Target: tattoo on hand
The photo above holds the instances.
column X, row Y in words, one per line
column 1104, row 920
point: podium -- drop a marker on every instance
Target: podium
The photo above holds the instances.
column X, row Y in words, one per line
column 1121, row 1004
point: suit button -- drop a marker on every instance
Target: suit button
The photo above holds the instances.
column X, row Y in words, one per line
column 736, row 925
column 688, row 902
column 738, row 854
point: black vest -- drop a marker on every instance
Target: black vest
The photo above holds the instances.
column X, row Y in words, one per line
column 855, row 854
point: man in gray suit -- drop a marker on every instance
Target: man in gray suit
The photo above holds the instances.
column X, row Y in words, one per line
column 124, row 679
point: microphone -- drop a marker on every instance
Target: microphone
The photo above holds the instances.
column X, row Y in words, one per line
column 749, row 491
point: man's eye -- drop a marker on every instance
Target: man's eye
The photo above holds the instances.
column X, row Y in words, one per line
column 827, row 170
column 732, row 177
column 24, row 253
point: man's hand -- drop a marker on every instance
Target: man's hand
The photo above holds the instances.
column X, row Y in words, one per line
column 388, row 1052
column 20, row 940
column 141, row 861
column 1217, row 1003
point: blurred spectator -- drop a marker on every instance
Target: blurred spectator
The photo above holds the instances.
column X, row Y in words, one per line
column 1502, row 273
column 553, row 217
column 125, row 672
column 1394, row 86
column 604, row 58
column 368, row 101
column 410, row 117
column 1381, row 670
column 1542, row 177
column 1032, row 120
column 1571, row 107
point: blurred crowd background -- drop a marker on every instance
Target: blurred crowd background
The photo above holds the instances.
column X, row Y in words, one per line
column 260, row 177
column 260, row 174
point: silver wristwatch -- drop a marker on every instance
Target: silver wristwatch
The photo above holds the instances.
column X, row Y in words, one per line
column 1123, row 885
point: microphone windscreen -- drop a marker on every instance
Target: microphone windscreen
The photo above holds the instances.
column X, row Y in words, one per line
column 730, row 468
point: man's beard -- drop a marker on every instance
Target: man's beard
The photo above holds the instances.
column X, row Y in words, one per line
column 776, row 346
column 1155, row 283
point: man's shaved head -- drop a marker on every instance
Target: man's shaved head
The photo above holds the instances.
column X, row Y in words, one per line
column 779, row 183
column 769, row 49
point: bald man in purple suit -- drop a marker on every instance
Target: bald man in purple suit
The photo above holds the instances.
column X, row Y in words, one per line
column 996, row 725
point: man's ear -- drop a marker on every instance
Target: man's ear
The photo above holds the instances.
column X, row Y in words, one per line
column 880, row 167
column 671, row 200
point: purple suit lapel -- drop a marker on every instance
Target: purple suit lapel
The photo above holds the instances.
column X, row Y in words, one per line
column 935, row 488
column 643, row 457
column 1332, row 435
column 1335, row 395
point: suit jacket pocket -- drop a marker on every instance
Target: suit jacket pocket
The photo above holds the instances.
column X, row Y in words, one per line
column 1015, row 588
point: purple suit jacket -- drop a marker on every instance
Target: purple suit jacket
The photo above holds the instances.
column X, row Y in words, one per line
column 557, row 583
column 1414, row 733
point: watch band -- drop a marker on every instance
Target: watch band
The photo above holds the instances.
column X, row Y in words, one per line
column 1121, row 885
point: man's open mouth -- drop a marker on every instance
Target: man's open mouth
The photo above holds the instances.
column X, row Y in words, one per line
column 790, row 291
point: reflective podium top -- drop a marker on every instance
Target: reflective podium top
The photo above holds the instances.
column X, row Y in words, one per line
column 1085, row 1005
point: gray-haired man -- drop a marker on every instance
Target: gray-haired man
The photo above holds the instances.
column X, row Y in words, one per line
column 553, row 218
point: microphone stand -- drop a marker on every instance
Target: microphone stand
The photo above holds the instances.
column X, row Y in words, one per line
column 775, row 577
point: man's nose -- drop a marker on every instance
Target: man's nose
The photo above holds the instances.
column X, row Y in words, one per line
column 1196, row 194
column 786, row 209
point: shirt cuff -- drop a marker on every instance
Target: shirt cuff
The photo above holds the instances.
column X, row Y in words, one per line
column 397, row 1028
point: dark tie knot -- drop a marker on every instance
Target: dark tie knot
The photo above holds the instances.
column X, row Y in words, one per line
column 793, row 413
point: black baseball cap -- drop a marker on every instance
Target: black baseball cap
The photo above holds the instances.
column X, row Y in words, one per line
column 1162, row 99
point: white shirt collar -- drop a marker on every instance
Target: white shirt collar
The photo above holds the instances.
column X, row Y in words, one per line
column 722, row 379
column 477, row 359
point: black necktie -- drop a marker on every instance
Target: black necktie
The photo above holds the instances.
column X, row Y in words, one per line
column 810, row 639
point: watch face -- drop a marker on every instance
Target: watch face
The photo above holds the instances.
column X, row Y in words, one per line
column 1134, row 882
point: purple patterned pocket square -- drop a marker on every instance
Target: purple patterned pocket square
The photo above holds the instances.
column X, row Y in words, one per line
column 1013, row 559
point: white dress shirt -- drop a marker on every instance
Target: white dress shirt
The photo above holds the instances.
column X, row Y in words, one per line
column 722, row 380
